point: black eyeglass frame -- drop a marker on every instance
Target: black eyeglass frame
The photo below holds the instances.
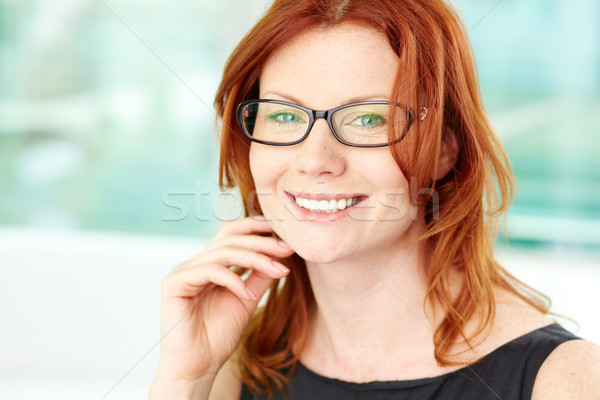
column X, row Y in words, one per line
column 316, row 114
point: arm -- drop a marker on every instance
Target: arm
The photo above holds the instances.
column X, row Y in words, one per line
column 181, row 390
column 228, row 383
column 571, row 372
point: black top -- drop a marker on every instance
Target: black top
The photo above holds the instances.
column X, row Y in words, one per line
column 507, row 373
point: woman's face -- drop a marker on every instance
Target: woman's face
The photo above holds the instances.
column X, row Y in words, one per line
column 322, row 69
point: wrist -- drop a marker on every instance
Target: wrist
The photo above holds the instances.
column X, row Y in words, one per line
column 180, row 389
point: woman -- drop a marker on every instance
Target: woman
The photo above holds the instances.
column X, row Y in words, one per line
column 379, row 213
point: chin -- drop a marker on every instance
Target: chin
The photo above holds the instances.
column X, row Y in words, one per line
column 322, row 254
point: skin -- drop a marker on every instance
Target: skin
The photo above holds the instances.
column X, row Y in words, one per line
column 365, row 274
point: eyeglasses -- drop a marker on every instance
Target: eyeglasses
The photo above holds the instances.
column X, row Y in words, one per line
column 362, row 124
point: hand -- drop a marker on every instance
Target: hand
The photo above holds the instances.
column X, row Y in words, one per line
column 205, row 306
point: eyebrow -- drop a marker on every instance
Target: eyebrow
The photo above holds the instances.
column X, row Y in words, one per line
column 347, row 101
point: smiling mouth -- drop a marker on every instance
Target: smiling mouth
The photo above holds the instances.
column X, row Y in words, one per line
column 327, row 205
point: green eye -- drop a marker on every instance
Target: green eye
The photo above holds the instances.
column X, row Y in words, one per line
column 368, row 120
column 285, row 117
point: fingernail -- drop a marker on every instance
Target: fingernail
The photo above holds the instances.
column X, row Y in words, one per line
column 284, row 244
column 250, row 293
column 281, row 267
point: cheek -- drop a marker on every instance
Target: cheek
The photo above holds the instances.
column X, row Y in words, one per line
column 391, row 189
column 255, row 167
column 394, row 202
column 381, row 170
column 260, row 163
column 267, row 168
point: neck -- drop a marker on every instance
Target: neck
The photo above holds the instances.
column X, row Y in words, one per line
column 370, row 308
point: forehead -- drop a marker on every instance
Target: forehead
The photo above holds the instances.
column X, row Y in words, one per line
column 326, row 67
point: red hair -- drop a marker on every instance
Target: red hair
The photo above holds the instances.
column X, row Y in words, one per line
column 436, row 70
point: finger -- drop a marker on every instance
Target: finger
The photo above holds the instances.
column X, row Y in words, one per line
column 229, row 256
column 266, row 245
column 245, row 226
column 192, row 282
column 258, row 283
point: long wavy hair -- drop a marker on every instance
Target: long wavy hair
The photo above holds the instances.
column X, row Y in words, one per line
column 462, row 210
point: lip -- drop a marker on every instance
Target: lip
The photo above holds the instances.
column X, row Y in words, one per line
column 314, row 216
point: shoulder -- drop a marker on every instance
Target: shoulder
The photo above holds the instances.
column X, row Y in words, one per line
column 571, row 372
column 228, row 382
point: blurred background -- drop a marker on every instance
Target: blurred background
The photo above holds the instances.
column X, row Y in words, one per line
column 109, row 154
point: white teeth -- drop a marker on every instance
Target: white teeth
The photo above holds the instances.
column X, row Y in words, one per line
column 327, row 206
column 323, row 205
column 332, row 205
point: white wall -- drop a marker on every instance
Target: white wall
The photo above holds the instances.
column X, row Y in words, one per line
column 80, row 310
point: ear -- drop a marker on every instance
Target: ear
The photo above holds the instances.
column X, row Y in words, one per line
column 448, row 154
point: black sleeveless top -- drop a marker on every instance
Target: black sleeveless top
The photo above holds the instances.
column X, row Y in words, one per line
column 507, row 373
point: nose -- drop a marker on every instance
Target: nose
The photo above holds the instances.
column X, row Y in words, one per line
column 321, row 154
